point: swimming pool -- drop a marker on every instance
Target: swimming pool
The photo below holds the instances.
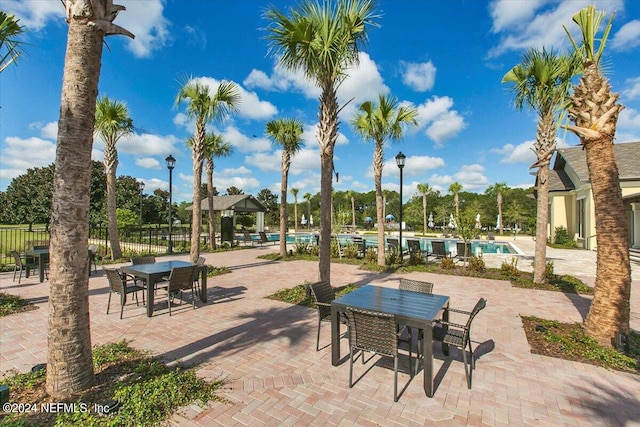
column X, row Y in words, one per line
column 477, row 246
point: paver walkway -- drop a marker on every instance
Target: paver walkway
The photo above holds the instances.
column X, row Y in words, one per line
column 266, row 351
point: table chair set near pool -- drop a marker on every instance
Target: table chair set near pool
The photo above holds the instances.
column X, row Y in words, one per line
column 385, row 321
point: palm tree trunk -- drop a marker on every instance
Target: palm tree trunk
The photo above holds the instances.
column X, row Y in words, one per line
column 544, row 147
column 283, row 204
column 378, row 159
column 610, row 309
column 69, row 357
column 196, row 219
column 596, row 112
column 295, row 213
column 114, row 238
column 212, row 224
column 327, row 135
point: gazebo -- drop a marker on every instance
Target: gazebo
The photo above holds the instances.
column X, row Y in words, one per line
column 229, row 205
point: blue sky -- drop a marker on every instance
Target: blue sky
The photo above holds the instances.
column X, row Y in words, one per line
column 446, row 58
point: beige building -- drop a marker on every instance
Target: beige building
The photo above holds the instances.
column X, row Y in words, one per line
column 571, row 198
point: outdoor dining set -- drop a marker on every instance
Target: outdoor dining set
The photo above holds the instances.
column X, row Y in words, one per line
column 381, row 319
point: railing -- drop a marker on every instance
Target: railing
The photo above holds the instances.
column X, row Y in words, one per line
column 152, row 240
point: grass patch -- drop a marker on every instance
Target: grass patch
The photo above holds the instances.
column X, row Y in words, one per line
column 213, row 271
column 140, row 389
column 570, row 342
column 10, row 304
column 298, row 294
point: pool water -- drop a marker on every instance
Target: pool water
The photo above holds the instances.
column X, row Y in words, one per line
column 477, row 247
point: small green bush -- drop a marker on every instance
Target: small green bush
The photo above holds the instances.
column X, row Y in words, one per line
column 447, row 264
column 476, row 263
column 510, row 269
column 562, row 237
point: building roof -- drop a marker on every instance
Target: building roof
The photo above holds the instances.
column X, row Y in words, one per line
column 237, row 203
column 627, row 158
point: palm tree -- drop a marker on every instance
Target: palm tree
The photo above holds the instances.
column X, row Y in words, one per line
column 542, row 83
column 205, row 107
column 307, row 197
column 294, row 192
column 69, row 359
column 9, row 30
column 426, row 190
column 213, row 147
column 287, row 133
column 454, row 189
column 594, row 111
column 380, row 123
column 112, row 123
column 322, row 40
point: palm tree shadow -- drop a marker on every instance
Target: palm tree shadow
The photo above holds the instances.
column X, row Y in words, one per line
column 612, row 405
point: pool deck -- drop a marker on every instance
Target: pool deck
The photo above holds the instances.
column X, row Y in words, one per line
column 266, row 350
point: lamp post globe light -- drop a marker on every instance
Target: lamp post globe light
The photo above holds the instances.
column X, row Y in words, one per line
column 171, row 163
column 400, row 159
column 141, row 188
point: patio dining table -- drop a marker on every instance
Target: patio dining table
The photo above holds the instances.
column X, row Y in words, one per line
column 412, row 309
column 42, row 254
column 154, row 272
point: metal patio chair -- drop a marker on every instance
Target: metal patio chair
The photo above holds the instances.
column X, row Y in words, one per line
column 118, row 284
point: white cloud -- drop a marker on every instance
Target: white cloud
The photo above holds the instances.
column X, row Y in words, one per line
column 627, row 37
column 244, row 143
column 310, row 136
column 521, row 153
column 535, row 23
column 153, row 184
column 148, row 163
column 142, row 18
column 438, row 120
column 41, row 153
column 414, row 166
column 628, row 125
column 146, row 144
column 471, row 177
column 146, row 21
column 420, row 77
column 35, row 14
column 235, row 171
column 364, row 83
column 633, row 90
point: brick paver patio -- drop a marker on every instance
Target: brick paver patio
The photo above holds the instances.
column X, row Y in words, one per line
column 266, row 351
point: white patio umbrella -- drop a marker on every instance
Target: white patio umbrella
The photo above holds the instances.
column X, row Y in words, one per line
column 311, row 220
column 452, row 222
column 478, row 224
column 430, row 223
column 303, row 221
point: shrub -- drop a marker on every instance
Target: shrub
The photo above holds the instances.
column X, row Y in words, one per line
column 448, row 264
column 372, row 255
column 562, row 236
column 350, row 251
column 548, row 270
column 510, row 269
column 476, row 263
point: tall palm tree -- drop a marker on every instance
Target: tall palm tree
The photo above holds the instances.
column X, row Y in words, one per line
column 454, row 189
column 294, row 193
column 10, row 47
column 112, row 123
column 322, row 40
column 288, row 134
column 594, row 111
column 381, row 122
column 541, row 82
column 69, row 359
column 204, row 106
column 307, row 197
column 213, row 147
column 426, row 190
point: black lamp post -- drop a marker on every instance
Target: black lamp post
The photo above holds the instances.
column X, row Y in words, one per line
column 141, row 188
column 400, row 159
column 171, row 162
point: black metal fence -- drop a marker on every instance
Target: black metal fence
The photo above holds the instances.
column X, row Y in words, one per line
column 133, row 240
